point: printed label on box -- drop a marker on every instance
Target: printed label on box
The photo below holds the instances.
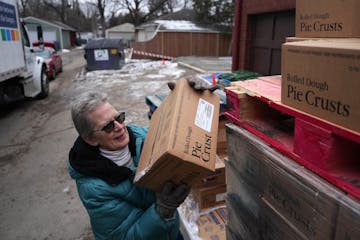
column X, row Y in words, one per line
column 204, row 115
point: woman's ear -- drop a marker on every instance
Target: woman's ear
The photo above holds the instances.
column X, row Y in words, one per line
column 91, row 140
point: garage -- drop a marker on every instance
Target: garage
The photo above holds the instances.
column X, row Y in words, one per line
column 63, row 35
column 269, row 33
column 125, row 31
column 47, row 36
column 260, row 27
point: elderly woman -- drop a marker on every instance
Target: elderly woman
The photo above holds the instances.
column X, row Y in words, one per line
column 103, row 161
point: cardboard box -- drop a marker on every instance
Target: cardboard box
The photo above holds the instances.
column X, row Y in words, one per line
column 221, row 139
column 215, row 178
column 212, row 226
column 231, row 234
column 332, row 40
column 282, row 197
column 298, row 39
column 181, row 142
column 322, row 79
column 327, row 18
column 209, row 197
column 348, row 220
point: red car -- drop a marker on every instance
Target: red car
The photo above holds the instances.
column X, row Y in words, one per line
column 52, row 59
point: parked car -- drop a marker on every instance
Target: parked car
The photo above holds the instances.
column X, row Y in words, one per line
column 52, row 59
column 50, row 44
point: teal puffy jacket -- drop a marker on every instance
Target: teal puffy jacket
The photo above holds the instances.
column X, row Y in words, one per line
column 124, row 211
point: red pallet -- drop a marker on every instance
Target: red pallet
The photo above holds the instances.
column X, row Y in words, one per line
column 329, row 150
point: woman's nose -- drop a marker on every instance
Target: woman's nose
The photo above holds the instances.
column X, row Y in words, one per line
column 118, row 125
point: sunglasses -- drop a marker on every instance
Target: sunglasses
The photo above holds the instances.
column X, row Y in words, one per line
column 109, row 127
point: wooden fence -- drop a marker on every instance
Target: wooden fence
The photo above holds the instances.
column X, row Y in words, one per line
column 176, row 44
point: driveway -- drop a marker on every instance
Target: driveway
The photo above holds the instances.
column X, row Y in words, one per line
column 38, row 198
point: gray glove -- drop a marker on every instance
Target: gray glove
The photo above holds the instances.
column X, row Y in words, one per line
column 197, row 85
column 169, row 198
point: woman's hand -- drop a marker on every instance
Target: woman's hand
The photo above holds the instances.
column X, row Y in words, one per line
column 197, row 85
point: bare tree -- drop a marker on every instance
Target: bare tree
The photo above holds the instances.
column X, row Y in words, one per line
column 187, row 3
column 214, row 11
column 77, row 18
column 158, row 7
column 136, row 9
column 101, row 6
column 60, row 7
column 31, row 7
column 23, row 7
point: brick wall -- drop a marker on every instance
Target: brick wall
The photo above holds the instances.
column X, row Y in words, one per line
column 242, row 31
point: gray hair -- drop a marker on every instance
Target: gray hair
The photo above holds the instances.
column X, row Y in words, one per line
column 80, row 109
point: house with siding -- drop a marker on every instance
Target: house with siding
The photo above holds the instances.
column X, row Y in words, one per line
column 125, row 31
column 63, row 35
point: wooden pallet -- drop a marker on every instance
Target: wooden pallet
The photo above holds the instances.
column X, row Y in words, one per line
column 331, row 151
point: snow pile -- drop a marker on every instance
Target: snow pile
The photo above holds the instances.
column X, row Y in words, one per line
column 178, row 25
column 143, row 74
column 136, row 68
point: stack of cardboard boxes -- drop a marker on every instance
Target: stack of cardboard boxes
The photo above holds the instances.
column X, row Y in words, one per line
column 270, row 196
column 321, row 65
column 210, row 191
column 186, row 143
column 209, row 194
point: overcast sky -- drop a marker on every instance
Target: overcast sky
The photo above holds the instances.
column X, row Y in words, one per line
column 84, row 7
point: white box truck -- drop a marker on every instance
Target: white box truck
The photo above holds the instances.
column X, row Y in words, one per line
column 22, row 73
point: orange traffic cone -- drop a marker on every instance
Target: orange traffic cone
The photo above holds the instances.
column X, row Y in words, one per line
column 213, row 79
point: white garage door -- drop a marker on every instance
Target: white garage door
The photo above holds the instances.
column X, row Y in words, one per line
column 48, row 36
column 114, row 35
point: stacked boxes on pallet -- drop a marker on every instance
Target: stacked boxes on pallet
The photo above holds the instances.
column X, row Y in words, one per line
column 210, row 191
column 270, row 196
column 205, row 207
column 320, row 76
column 327, row 18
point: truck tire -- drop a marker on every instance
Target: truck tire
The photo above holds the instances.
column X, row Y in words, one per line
column 45, row 86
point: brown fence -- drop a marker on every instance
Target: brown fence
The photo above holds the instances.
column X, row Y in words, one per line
column 176, row 44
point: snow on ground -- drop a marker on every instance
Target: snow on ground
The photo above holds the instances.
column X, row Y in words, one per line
column 129, row 86
column 136, row 68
